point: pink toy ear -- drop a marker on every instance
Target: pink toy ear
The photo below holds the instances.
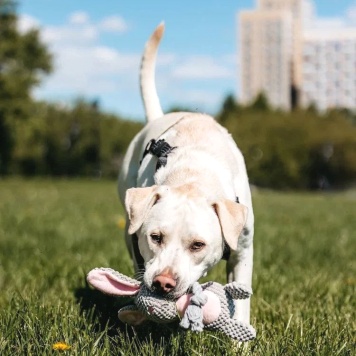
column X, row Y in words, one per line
column 211, row 309
column 111, row 282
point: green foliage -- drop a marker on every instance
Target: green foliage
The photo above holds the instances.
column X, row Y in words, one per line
column 229, row 106
column 76, row 141
column 23, row 62
column 301, row 149
column 53, row 232
column 179, row 108
column 297, row 150
column 260, row 103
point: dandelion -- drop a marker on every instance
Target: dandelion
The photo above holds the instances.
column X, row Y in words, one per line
column 121, row 222
column 61, row 346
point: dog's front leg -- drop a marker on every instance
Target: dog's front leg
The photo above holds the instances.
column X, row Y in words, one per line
column 239, row 269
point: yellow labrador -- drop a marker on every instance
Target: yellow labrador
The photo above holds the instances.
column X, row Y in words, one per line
column 186, row 192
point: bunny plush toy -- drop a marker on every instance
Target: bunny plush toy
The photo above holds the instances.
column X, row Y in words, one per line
column 208, row 306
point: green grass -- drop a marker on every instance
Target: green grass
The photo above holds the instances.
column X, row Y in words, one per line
column 53, row 232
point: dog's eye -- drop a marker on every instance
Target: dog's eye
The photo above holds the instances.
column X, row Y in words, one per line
column 157, row 238
column 197, row 246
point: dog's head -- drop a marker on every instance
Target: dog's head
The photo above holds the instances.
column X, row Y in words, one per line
column 180, row 234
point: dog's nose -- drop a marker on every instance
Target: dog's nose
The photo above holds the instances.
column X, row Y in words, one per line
column 164, row 283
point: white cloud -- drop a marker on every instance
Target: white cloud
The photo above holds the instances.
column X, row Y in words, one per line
column 90, row 69
column 337, row 22
column 80, row 29
column 113, row 23
column 82, row 65
column 351, row 13
column 79, row 18
column 330, row 27
column 201, row 67
column 69, row 34
column 200, row 97
column 165, row 59
column 26, row 23
column 329, row 23
column 230, row 59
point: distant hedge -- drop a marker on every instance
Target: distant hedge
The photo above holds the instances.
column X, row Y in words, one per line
column 298, row 150
column 77, row 141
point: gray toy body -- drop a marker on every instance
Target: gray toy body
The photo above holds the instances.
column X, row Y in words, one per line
column 211, row 306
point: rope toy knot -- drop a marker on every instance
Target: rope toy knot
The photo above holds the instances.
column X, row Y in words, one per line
column 193, row 316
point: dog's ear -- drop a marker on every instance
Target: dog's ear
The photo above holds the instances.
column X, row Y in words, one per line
column 138, row 202
column 232, row 217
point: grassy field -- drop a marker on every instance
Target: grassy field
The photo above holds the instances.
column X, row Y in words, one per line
column 53, row 232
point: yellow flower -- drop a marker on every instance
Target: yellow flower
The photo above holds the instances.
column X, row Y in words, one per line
column 60, row 346
column 121, row 222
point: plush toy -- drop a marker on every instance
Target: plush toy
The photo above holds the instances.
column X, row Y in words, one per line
column 209, row 306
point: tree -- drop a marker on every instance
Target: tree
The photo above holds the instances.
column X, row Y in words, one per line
column 229, row 107
column 24, row 59
column 261, row 102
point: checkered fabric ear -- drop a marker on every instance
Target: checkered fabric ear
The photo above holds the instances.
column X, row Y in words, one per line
column 225, row 323
column 239, row 331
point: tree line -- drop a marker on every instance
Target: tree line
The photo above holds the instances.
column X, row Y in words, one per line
column 302, row 149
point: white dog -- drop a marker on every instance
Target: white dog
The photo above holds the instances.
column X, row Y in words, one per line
column 186, row 192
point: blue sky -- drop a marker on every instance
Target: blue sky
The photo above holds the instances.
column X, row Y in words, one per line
column 97, row 47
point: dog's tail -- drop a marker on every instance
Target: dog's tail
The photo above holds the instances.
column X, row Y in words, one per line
column 147, row 75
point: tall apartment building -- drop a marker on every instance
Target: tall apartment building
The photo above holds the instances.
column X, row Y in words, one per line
column 302, row 12
column 329, row 69
column 292, row 63
column 266, row 50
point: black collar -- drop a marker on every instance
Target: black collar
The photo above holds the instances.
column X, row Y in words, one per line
column 161, row 149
